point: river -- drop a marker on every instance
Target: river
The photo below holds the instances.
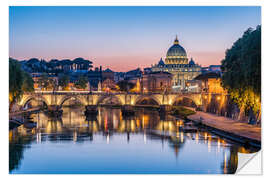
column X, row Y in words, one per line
column 111, row 144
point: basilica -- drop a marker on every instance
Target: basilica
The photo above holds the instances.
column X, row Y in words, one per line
column 177, row 63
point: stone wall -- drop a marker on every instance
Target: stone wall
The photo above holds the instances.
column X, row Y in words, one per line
column 222, row 105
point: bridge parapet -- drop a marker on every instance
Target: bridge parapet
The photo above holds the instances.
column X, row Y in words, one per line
column 94, row 98
column 114, row 93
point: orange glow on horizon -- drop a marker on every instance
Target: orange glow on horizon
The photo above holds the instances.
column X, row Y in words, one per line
column 128, row 62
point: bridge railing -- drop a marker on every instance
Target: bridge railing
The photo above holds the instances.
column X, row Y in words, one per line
column 104, row 93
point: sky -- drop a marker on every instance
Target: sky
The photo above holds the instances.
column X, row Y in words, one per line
column 125, row 38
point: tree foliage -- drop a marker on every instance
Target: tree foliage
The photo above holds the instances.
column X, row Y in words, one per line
column 15, row 80
column 28, row 83
column 81, row 83
column 19, row 81
column 56, row 66
column 125, row 85
column 241, row 70
column 63, row 80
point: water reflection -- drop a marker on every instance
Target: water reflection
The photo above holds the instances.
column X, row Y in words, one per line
column 145, row 132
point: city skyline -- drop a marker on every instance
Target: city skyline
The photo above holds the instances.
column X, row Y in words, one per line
column 113, row 36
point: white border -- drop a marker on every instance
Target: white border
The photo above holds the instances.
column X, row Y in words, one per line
column 4, row 76
column 135, row 2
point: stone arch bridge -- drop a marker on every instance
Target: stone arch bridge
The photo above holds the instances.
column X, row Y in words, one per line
column 97, row 98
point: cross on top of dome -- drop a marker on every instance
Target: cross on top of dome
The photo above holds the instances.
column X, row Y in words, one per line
column 176, row 40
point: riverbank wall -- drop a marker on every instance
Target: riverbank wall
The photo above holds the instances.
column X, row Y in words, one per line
column 223, row 105
column 243, row 133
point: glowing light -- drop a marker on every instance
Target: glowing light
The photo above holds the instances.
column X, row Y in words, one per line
column 180, row 123
column 133, row 127
column 75, row 136
column 218, row 145
column 205, row 137
column 225, row 162
column 197, row 137
column 144, row 138
column 218, row 98
column 38, row 137
column 209, row 144
column 182, row 137
column 224, row 143
column 177, row 135
column 108, row 139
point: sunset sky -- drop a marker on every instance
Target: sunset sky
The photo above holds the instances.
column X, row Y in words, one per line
column 124, row 38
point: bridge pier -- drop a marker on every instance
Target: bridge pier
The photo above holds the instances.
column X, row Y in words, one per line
column 55, row 111
column 128, row 110
column 165, row 108
column 91, row 110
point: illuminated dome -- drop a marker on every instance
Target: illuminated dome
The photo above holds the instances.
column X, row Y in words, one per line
column 176, row 54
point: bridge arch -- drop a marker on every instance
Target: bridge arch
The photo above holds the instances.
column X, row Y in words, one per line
column 71, row 97
column 110, row 99
column 147, row 100
column 185, row 101
column 26, row 99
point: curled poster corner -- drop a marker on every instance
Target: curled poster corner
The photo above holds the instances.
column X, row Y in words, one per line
column 249, row 164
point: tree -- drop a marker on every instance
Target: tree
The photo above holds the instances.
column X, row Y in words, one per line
column 15, row 81
column 34, row 64
column 82, row 64
column 63, row 81
column 125, row 85
column 81, row 83
column 19, row 82
column 53, row 65
column 241, row 70
column 28, row 83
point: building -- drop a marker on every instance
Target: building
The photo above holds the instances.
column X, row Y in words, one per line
column 107, row 74
column 118, row 76
column 147, row 70
column 156, row 82
column 212, row 68
column 133, row 74
column 177, row 63
column 211, row 83
column 37, row 77
column 95, row 77
column 109, row 85
column 215, row 68
column 193, row 86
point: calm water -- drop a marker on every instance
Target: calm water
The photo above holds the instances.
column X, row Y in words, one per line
column 109, row 143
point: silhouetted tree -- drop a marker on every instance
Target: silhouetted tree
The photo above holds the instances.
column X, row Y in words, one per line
column 15, row 81
column 81, row 83
column 241, row 70
column 28, row 83
column 82, row 64
column 19, row 82
column 125, row 85
column 63, row 80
